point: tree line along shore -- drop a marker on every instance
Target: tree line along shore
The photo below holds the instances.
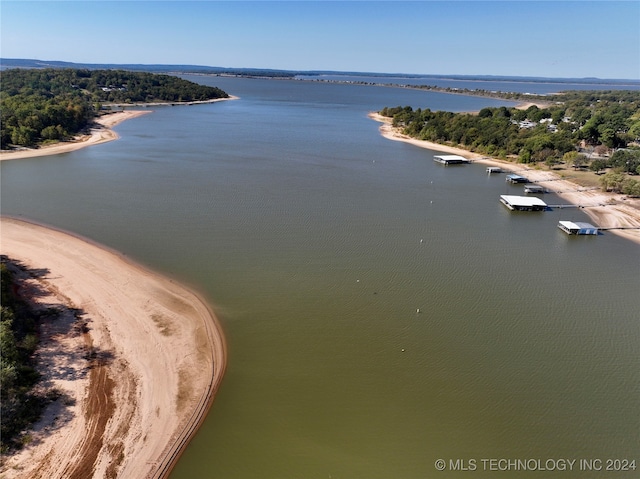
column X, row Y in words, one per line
column 44, row 106
column 20, row 405
column 590, row 131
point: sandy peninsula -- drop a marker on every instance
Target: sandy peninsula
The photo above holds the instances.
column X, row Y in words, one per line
column 101, row 131
column 136, row 358
column 606, row 210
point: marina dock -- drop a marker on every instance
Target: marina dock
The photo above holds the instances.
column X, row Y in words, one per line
column 533, row 188
column 578, row 228
column 523, row 203
column 450, row 159
column 513, row 178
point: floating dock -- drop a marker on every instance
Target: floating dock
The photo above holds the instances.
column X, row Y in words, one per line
column 494, row 169
column 577, row 228
column 531, row 188
column 523, row 203
column 450, row 159
column 513, row 178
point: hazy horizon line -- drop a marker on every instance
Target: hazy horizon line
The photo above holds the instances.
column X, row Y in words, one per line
column 68, row 64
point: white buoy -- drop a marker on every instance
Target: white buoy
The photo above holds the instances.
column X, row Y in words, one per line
column 403, row 350
column 418, row 310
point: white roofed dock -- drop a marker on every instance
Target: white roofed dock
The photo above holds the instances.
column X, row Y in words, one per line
column 577, row 228
column 523, row 203
column 450, row 159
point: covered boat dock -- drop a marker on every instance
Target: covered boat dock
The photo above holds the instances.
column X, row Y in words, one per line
column 523, row 203
column 577, row 228
column 450, row 159
column 533, row 188
column 513, row 178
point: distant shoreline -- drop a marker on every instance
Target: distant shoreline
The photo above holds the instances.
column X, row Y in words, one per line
column 101, row 133
column 171, row 103
column 608, row 210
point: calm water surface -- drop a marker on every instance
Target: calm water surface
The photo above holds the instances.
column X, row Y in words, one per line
column 317, row 240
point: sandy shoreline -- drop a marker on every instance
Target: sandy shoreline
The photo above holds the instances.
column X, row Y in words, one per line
column 606, row 210
column 100, row 133
column 173, row 103
column 137, row 358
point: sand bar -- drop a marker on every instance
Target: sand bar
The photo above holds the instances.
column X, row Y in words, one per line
column 607, row 210
column 137, row 357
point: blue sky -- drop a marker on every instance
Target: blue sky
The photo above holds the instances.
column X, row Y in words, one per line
column 519, row 38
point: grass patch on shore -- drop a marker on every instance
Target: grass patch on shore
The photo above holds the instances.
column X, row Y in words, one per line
column 585, row 178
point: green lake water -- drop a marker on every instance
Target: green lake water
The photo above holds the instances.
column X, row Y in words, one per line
column 317, row 241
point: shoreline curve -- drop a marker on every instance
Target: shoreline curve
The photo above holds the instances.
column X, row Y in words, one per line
column 608, row 210
column 158, row 346
column 101, row 132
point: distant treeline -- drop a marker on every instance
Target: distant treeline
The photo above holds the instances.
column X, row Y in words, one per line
column 269, row 72
column 55, row 104
column 562, row 96
column 150, row 68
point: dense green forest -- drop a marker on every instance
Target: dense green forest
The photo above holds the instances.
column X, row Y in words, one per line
column 40, row 105
column 573, row 127
column 19, row 405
